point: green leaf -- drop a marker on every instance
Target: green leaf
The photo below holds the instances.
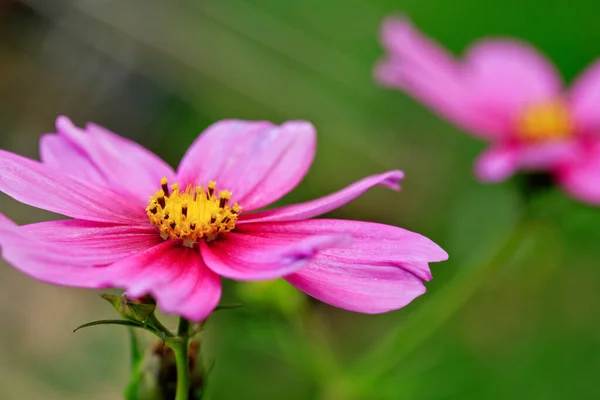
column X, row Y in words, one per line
column 110, row 322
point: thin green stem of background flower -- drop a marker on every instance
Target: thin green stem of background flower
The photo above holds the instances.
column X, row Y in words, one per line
column 440, row 307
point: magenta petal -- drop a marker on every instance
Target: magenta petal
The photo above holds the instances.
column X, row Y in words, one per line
column 69, row 263
column 59, row 152
column 496, row 164
column 90, row 243
column 584, row 98
column 258, row 161
column 382, row 270
column 140, row 262
column 506, row 76
column 581, row 177
column 500, row 162
column 356, row 287
column 124, row 165
column 376, row 243
column 423, row 69
column 255, row 257
column 48, row 188
column 325, row 204
column 176, row 277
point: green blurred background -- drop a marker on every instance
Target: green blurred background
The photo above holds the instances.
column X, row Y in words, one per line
column 159, row 72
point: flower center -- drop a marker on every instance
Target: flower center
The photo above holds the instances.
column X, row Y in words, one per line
column 193, row 214
column 545, row 121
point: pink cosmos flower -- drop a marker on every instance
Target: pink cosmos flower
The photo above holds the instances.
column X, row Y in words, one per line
column 506, row 93
column 143, row 227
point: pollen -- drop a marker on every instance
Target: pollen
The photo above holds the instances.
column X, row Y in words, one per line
column 545, row 121
column 193, row 214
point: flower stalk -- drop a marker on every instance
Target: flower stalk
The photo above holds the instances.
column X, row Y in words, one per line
column 180, row 347
column 444, row 304
column 437, row 311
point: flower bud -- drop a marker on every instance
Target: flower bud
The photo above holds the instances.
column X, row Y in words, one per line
column 132, row 309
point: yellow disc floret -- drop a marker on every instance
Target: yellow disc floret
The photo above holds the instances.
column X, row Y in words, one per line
column 192, row 214
column 545, row 121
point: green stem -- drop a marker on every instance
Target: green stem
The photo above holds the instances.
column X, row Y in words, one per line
column 318, row 341
column 323, row 363
column 132, row 389
column 180, row 347
column 154, row 321
column 134, row 348
column 183, row 329
column 433, row 314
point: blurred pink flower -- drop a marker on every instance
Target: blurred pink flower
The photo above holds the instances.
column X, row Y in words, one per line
column 507, row 93
column 133, row 230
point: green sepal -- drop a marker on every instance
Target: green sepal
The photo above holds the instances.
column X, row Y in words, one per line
column 132, row 309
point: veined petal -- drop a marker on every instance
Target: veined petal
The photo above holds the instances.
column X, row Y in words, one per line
column 423, row 69
column 51, row 189
column 505, row 76
column 382, row 270
column 254, row 257
column 90, row 243
column 258, row 161
column 175, row 276
column 325, row 204
column 124, row 165
column 584, row 98
column 56, row 262
column 376, row 243
column 91, row 255
column 362, row 288
column 59, row 152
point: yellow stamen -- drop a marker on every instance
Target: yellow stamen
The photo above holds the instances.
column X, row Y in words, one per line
column 192, row 214
column 545, row 121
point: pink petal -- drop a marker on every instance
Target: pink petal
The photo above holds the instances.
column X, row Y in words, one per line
column 73, row 261
column 175, row 276
column 496, row 164
column 250, row 257
column 51, row 189
column 141, row 263
column 59, row 152
column 423, row 69
column 325, row 204
column 500, row 162
column 125, row 166
column 352, row 286
column 581, row 177
column 93, row 243
column 258, row 161
column 382, row 270
column 506, row 76
column 584, row 99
